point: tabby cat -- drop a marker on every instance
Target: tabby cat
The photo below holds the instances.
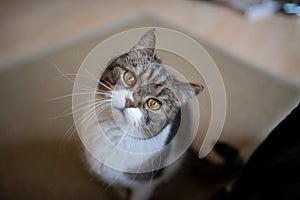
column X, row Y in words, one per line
column 143, row 101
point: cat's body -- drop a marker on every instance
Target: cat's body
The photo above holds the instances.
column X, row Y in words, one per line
column 142, row 116
column 136, row 182
column 141, row 185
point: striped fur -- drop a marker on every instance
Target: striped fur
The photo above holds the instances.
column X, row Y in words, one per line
column 147, row 128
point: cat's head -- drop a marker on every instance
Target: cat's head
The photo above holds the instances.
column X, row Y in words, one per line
column 145, row 96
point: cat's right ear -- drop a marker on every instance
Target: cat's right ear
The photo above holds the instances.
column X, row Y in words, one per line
column 147, row 43
column 186, row 91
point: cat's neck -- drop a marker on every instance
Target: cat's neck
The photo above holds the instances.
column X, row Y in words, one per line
column 133, row 144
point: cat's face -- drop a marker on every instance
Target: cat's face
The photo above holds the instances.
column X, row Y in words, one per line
column 145, row 96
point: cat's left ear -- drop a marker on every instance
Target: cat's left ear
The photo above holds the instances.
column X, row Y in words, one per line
column 147, row 43
column 186, row 91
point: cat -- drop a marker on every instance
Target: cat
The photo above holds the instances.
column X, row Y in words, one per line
column 143, row 111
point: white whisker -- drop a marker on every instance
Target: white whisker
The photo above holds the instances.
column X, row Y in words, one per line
column 80, row 75
column 73, row 108
column 110, row 85
column 88, row 114
column 77, row 110
column 94, row 78
column 80, row 93
column 70, row 80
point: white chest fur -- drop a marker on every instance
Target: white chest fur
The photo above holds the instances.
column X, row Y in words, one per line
column 97, row 146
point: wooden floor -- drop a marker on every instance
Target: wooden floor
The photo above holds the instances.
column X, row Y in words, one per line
column 272, row 43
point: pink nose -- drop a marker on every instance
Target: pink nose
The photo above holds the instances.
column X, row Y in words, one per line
column 129, row 103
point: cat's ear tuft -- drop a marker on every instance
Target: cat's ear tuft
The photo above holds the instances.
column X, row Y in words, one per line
column 147, row 43
column 186, row 91
column 197, row 88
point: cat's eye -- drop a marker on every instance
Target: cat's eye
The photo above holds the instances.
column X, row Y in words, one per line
column 153, row 104
column 129, row 78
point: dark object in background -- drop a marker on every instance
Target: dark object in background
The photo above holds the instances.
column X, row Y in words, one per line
column 273, row 171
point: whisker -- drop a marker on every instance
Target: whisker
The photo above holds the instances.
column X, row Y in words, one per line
column 87, row 118
column 88, row 77
column 59, row 70
column 67, row 78
column 85, row 87
column 88, row 114
column 105, row 85
column 64, row 139
column 80, row 93
column 77, row 110
column 99, row 82
column 91, row 100
column 110, row 85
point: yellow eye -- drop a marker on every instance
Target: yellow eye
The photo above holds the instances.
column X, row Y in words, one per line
column 153, row 104
column 129, row 78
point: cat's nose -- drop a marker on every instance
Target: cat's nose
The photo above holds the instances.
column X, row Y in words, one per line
column 129, row 103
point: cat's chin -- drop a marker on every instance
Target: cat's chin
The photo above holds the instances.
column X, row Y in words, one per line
column 128, row 120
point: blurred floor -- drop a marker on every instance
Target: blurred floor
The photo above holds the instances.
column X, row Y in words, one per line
column 47, row 170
